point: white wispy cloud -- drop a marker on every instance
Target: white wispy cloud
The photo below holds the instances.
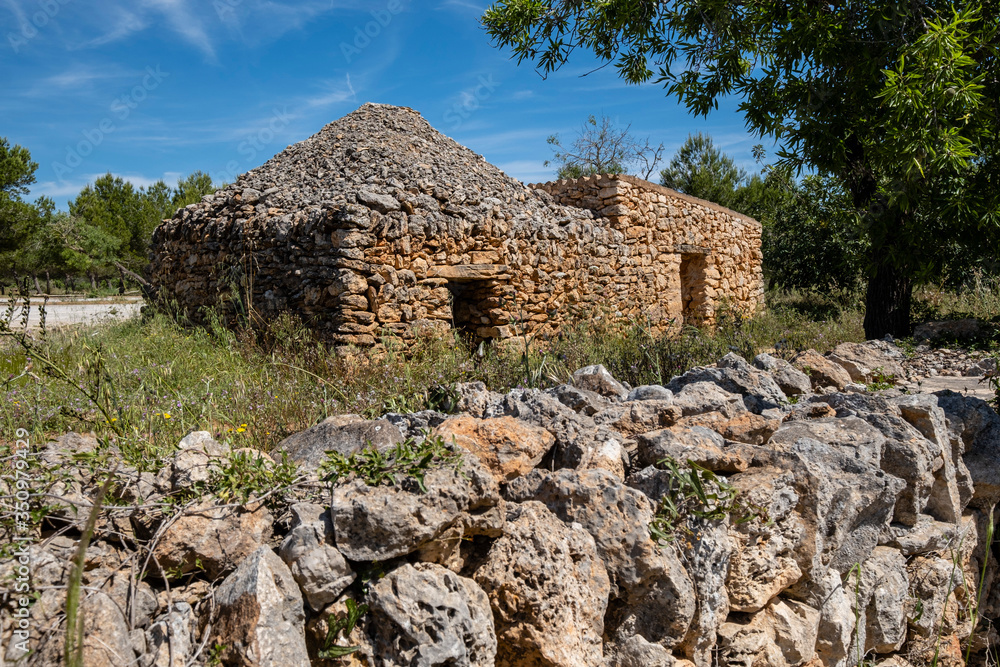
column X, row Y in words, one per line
column 187, row 24
column 334, row 93
column 18, row 12
column 465, row 6
column 77, row 77
column 124, row 24
column 528, row 171
column 72, row 187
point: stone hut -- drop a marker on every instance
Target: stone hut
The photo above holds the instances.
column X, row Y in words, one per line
column 378, row 225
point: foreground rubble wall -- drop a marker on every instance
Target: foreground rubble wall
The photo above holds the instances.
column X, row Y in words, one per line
column 863, row 538
column 379, row 225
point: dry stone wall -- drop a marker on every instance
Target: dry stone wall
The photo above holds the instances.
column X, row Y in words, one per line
column 378, row 224
column 546, row 528
column 705, row 254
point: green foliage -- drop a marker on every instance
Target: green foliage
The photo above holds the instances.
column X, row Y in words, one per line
column 811, row 239
column 190, row 190
column 899, row 102
column 992, row 380
column 336, row 625
column 701, row 170
column 603, row 148
column 246, row 474
column 17, row 218
column 695, row 494
column 126, row 213
column 406, row 460
column 881, row 380
column 110, row 221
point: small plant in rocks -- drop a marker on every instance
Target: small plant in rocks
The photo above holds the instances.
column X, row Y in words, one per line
column 881, row 380
column 694, row 494
column 409, row 459
column 338, row 624
column 247, row 474
column 992, row 380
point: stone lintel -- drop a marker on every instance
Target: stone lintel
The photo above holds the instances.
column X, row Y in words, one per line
column 687, row 249
column 466, row 272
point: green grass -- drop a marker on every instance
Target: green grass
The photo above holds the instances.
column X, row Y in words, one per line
column 979, row 299
column 159, row 379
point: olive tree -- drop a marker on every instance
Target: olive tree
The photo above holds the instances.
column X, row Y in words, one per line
column 900, row 102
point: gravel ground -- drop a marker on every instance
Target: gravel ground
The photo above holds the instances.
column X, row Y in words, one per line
column 80, row 311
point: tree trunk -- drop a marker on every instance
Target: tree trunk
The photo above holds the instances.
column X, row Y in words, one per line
column 69, row 283
column 38, row 287
column 887, row 302
column 48, row 283
column 93, row 281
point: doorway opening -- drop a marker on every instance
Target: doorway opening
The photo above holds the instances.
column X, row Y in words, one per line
column 694, row 302
column 467, row 310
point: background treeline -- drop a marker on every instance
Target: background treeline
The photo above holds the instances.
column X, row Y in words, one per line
column 111, row 221
column 814, row 238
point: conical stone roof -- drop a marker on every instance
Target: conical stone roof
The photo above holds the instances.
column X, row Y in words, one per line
column 383, row 150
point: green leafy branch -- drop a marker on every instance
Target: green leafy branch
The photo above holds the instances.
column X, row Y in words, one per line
column 695, row 493
column 408, row 459
column 337, row 624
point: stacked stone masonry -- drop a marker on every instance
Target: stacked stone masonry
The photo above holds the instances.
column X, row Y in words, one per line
column 378, row 225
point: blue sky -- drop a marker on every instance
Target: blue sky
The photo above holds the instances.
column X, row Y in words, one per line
column 156, row 89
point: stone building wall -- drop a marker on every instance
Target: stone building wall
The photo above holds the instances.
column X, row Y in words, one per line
column 706, row 254
column 380, row 225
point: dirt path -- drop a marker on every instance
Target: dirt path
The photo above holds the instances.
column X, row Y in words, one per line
column 59, row 313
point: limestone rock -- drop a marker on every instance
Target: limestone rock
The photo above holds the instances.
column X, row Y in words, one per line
column 379, row 202
column 106, row 640
column 795, row 627
column 308, row 448
column 635, row 417
column 733, row 374
column 317, row 567
column 926, row 536
column 697, row 444
column 914, row 459
column 169, row 639
column 213, row 537
column 976, row 426
column 707, row 560
column 885, row 584
column 699, row 397
column 578, row 438
column 855, row 436
column 746, row 427
column 652, row 593
column 260, row 618
column 578, row 399
column 821, row 371
column 845, row 503
column 382, row 522
column 952, row 489
column 507, row 447
column 790, row 380
column 424, row 614
column 938, row 587
column 193, row 463
column 597, row 379
column 763, row 558
column 548, row 590
column 783, row 635
column 637, row 652
column 650, row 392
column 863, row 360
